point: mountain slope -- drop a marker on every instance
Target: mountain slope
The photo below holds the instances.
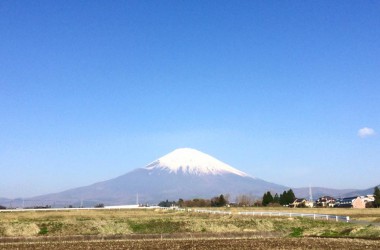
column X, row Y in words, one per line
column 361, row 192
column 183, row 173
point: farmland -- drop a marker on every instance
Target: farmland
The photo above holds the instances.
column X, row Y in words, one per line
column 139, row 229
column 258, row 243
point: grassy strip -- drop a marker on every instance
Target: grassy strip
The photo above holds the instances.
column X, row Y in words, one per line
column 127, row 222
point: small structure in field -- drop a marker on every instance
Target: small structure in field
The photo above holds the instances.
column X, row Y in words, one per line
column 368, row 198
column 309, row 204
column 298, row 202
column 326, row 201
column 354, row 202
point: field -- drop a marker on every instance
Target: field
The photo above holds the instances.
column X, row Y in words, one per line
column 157, row 229
column 259, row 243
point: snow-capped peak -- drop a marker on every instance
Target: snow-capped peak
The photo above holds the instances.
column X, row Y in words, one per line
column 191, row 161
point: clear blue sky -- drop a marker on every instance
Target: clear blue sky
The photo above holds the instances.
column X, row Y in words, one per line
column 90, row 90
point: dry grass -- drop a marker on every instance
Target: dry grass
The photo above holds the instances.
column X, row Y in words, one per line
column 125, row 222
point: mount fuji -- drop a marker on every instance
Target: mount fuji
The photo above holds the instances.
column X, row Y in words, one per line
column 189, row 161
column 184, row 173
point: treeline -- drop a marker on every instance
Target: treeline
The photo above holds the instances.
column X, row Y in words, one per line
column 217, row 201
column 376, row 194
column 285, row 198
column 376, row 202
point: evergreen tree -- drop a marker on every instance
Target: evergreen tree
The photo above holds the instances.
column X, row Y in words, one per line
column 282, row 198
column 276, row 198
column 264, row 199
column 291, row 197
column 287, row 197
column 267, row 198
column 218, row 201
column 376, row 193
column 222, row 201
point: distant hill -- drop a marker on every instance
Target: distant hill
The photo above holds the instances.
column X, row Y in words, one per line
column 184, row 173
column 337, row 193
column 361, row 192
column 321, row 191
column 4, row 201
column 10, row 202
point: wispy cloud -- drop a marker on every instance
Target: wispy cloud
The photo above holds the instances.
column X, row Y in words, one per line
column 366, row 132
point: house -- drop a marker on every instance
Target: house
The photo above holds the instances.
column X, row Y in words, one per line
column 326, row 201
column 298, row 203
column 368, row 198
column 354, row 202
column 309, row 203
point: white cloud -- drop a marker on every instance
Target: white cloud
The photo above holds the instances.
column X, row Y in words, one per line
column 366, row 132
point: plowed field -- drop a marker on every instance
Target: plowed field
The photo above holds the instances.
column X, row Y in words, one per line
column 259, row 243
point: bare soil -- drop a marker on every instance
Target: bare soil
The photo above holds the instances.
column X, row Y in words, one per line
column 222, row 243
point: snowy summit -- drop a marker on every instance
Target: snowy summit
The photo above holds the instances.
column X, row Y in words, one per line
column 191, row 161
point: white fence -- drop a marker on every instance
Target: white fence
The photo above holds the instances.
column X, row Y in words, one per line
column 73, row 209
column 313, row 216
column 260, row 213
column 212, row 211
column 174, row 208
